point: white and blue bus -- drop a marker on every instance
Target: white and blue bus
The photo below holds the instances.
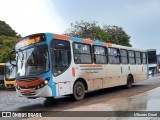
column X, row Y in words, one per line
column 51, row 65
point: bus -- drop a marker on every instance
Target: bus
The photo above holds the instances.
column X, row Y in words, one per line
column 2, row 69
column 10, row 74
column 152, row 61
column 51, row 65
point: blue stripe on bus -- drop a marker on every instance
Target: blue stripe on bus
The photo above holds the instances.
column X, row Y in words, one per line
column 98, row 43
column 51, row 84
column 49, row 37
column 91, row 68
column 76, row 39
column 53, row 87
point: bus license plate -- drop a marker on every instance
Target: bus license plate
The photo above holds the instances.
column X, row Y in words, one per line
column 27, row 92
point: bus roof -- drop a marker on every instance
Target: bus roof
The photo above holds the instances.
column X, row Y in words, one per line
column 94, row 42
column 88, row 41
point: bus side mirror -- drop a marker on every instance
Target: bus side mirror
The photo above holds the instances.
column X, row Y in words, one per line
column 12, row 58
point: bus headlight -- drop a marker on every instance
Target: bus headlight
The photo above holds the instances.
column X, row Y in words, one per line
column 46, row 82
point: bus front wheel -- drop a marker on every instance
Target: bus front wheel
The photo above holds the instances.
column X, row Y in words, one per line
column 129, row 82
column 78, row 91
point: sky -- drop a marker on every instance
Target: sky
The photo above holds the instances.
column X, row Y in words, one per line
column 140, row 19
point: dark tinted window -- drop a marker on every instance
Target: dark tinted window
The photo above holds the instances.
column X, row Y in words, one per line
column 61, row 56
column 1, row 70
column 60, row 44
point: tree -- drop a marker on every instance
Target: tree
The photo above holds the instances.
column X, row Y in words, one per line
column 117, row 35
column 6, row 30
column 6, row 46
column 111, row 34
column 8, row 37
column 87, row 30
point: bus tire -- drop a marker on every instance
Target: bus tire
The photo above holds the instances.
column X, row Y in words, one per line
column 78, row 91
column 129, row 82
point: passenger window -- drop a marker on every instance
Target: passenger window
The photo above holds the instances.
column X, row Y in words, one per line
column 144, row 60
column 114, row 55
column 82, row 53
column 131, row 57
column 138, row 58
column 61, row 56
column 100, row 55
column 124, row 56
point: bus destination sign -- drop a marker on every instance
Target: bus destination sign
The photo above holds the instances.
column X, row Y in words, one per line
column 29, row 40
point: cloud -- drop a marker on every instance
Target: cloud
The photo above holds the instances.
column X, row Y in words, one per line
column 30, row 16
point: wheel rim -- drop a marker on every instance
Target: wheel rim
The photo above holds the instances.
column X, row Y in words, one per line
column 79, row 91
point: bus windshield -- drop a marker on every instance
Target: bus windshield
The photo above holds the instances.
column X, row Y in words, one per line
column 32, row 61
column 10, row 72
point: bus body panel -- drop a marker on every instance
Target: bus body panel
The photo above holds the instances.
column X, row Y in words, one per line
column 43, row 92
column 10, row 84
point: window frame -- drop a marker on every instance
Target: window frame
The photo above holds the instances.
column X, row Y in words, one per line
column 124, row 56
column 131, row 57
column 52, row 51
column 144, row 58
column 114, row 55
column 138, row 57
column 94, row 55
column 91, row 52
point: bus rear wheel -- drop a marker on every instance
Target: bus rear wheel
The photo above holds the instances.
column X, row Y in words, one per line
column 129, row 82
column 78, row 91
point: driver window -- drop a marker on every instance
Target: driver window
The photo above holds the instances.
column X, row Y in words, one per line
column 61, row 56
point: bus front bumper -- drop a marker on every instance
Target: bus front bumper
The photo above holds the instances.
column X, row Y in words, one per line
column 46, row 91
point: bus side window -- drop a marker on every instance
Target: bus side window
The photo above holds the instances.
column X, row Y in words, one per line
column 138, row 57
column 124, row 56
column 114, row 55
column 82, row 53
column 131, row 57
column 100, row 56
column 144, row 60
column 61, row 56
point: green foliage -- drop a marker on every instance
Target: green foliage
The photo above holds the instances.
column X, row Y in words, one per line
column 87, row 30
column 6, row 46
column 117, row 35
column 6, row 30
column 8, row 37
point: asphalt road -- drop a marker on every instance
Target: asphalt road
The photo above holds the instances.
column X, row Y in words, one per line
column 10, row 101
